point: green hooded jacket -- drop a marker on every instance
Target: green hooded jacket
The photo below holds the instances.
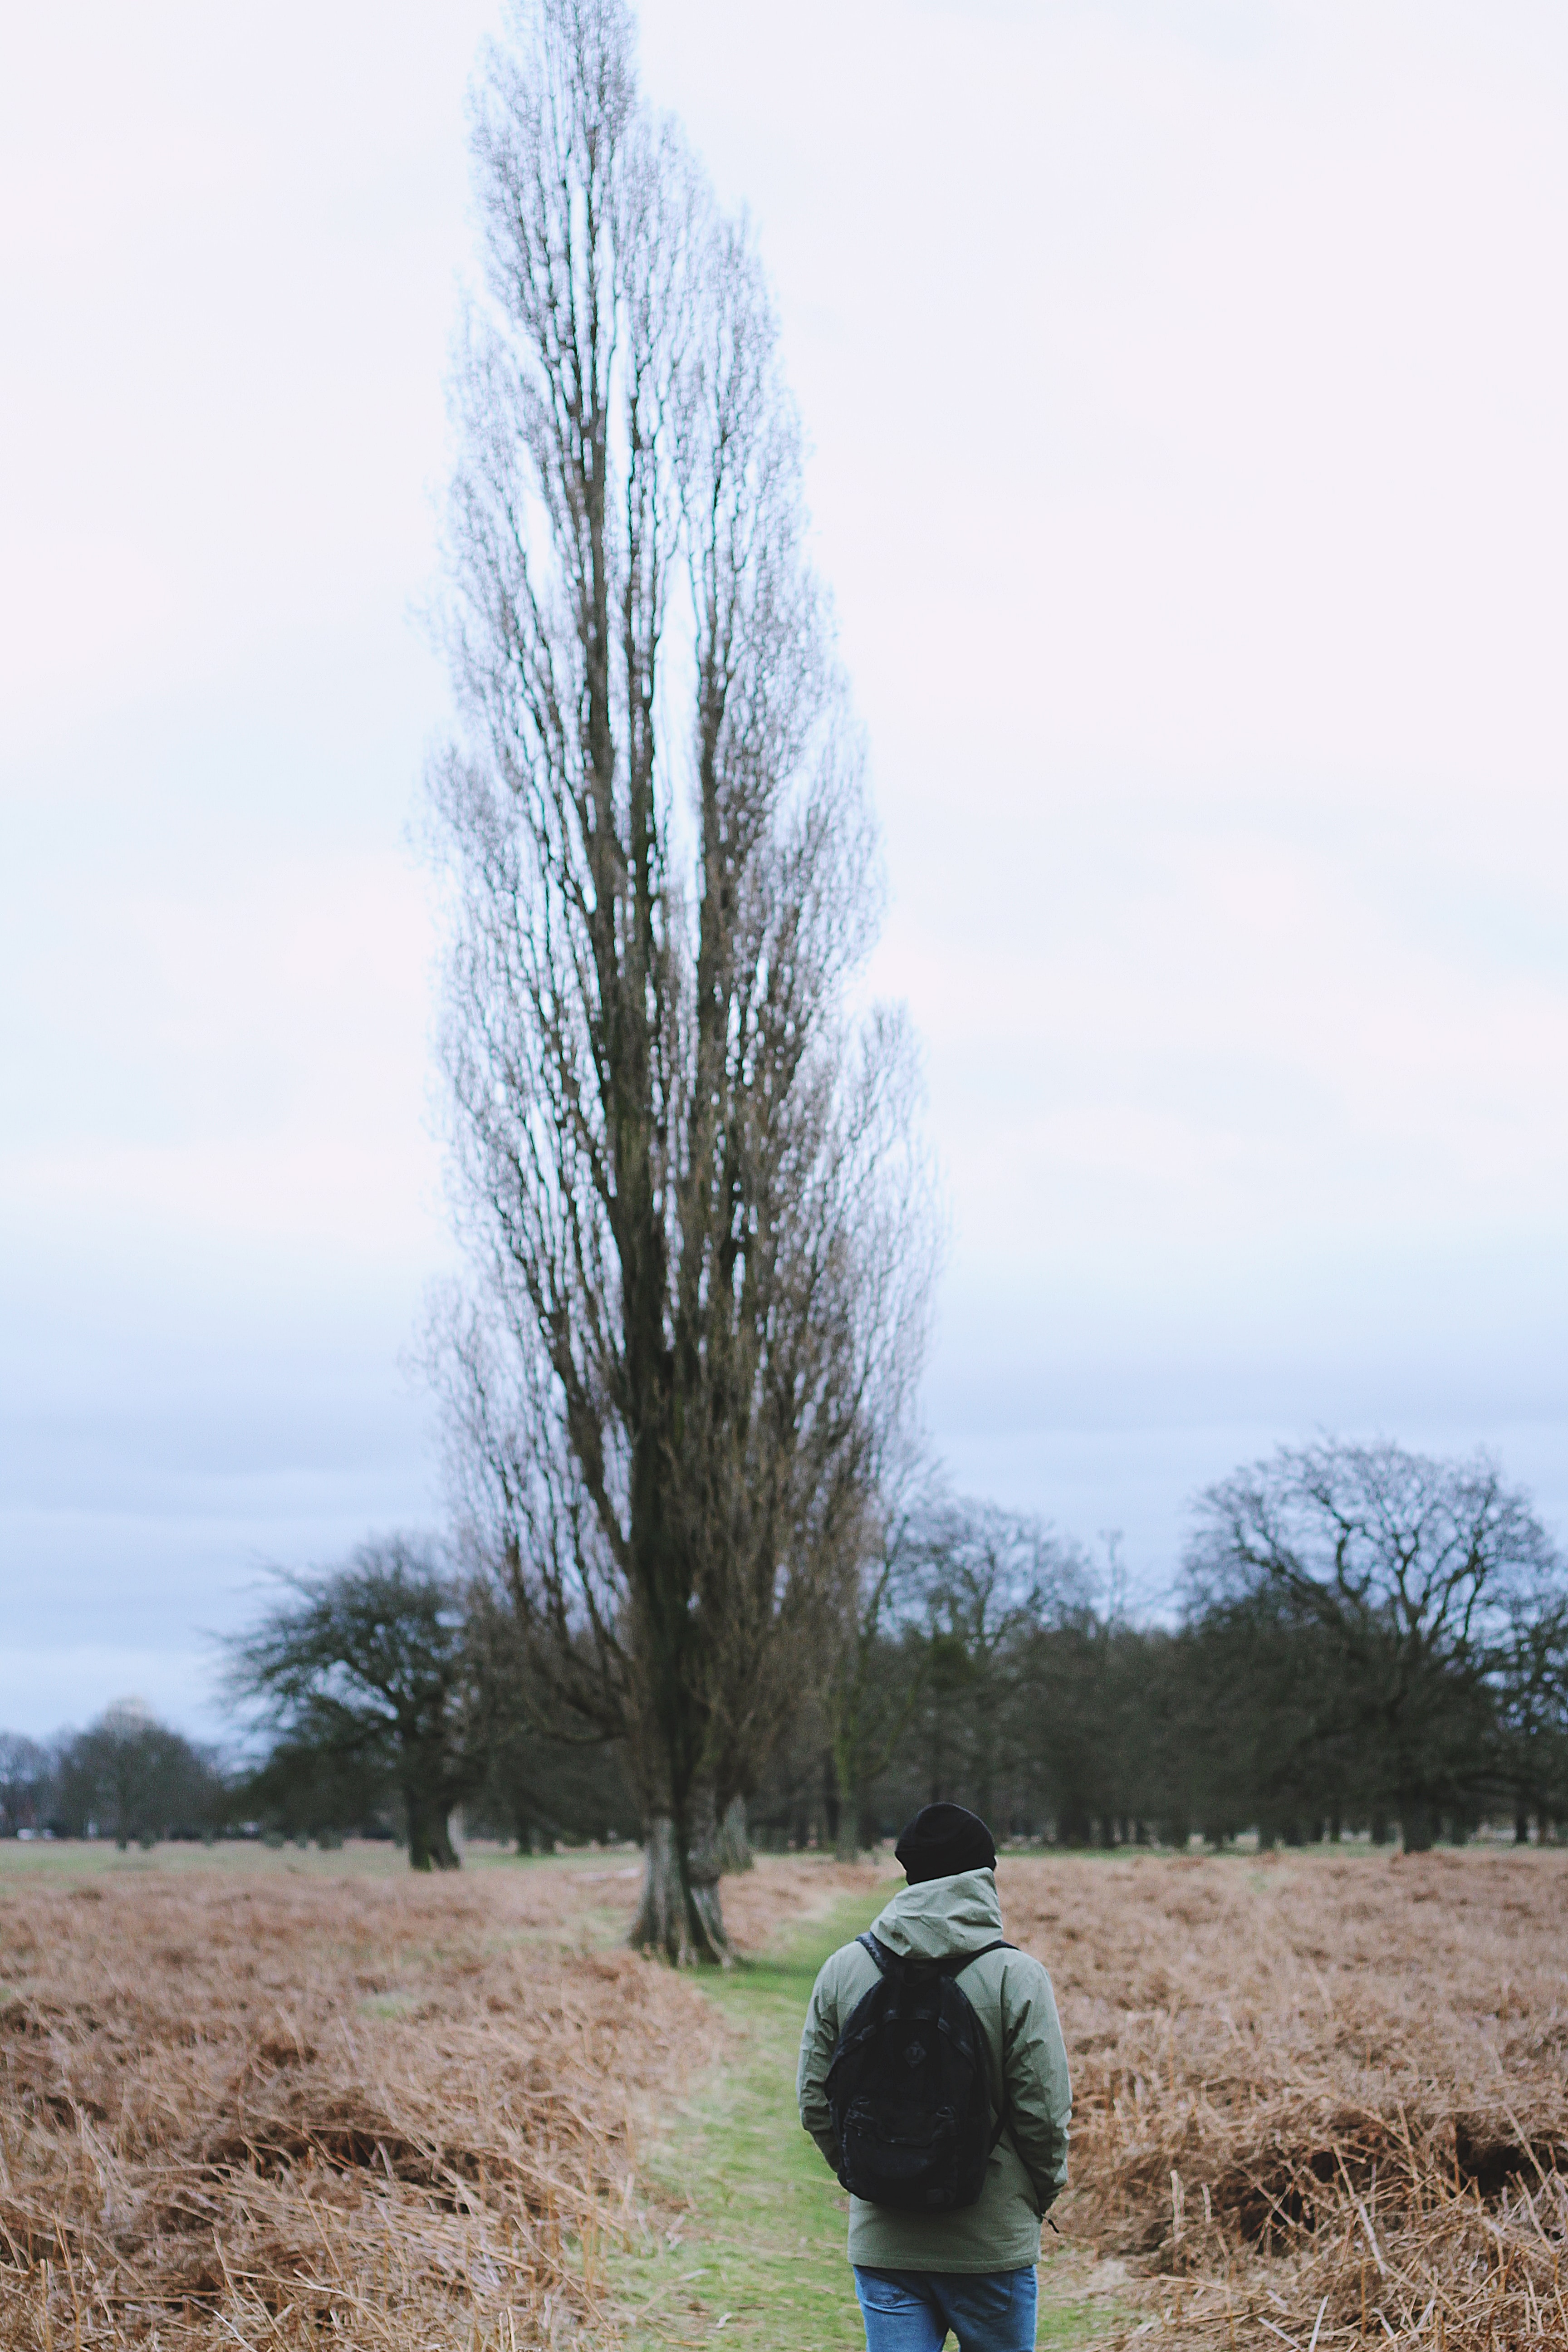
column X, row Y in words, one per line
column 1011, row 1996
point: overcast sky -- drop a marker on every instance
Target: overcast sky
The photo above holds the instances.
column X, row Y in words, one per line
column 1186, row 387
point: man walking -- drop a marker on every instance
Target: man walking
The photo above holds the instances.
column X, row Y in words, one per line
column 934, row 2080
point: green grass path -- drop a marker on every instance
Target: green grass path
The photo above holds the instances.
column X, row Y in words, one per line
column 757, row 2258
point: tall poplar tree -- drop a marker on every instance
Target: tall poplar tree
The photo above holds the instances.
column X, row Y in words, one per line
column 694, row 1214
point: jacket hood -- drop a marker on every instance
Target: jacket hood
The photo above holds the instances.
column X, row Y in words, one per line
column 941, row 1916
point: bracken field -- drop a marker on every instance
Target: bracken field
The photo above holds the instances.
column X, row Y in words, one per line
column 288, row 2099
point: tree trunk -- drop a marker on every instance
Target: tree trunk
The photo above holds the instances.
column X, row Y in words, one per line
column 734, row 1846
column 655, row 1926
column 706, row 1917
column 833, row 1810
column 1521, row 1823
column 845, row 1820
column 429, row 1844
column 1416, row 1821
column 680, row 1913
column 1073, row 1825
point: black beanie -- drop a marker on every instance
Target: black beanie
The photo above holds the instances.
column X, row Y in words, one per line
column 942, row 1840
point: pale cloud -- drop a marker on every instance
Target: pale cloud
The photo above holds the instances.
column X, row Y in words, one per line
column 1184, row 387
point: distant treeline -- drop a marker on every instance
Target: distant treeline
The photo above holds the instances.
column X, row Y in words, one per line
column 1365, row 1640
column 127, row 1777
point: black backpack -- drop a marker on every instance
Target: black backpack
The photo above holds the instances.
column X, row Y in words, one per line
column 909, row 2088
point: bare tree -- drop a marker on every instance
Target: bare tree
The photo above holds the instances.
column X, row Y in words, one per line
column 371, row 1665
column 1531, row 1687
column 27, row 1771
column 694, row 1216
column 874, row 1679
column 1408, row 1565
column 129, row 1776
column 991, row 1576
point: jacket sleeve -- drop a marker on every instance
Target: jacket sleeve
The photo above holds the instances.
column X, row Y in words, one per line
column 1035, row 2064
column 816, row 2046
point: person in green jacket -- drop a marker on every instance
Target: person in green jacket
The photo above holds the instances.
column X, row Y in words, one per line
column 971, row 2269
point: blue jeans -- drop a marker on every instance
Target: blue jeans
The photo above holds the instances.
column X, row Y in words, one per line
column 912, row 2310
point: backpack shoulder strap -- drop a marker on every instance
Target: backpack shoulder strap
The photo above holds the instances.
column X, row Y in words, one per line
column 954, row 1964
column 950, row 1964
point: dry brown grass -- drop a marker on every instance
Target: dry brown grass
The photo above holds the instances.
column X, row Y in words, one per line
column 1318, row 2100
column 271, row 2095
column 253, row 2102
column 279, row 2099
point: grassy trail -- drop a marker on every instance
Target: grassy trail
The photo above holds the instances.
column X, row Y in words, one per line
column 757, row 2258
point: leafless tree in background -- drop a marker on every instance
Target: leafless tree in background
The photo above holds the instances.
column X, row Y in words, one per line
column 1411, row 1568
column 697, row 1220
column 864, row 1709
